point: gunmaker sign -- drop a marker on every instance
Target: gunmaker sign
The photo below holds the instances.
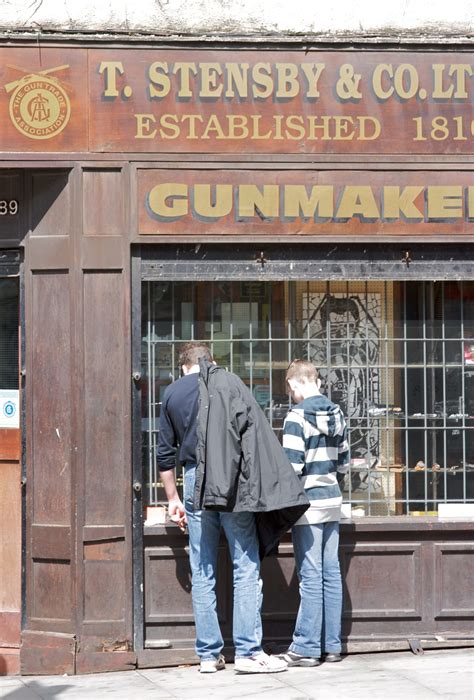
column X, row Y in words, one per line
column 277, row 105
column 306, row 203
column 220, row 101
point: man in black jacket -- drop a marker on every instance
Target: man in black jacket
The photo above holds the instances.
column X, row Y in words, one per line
column 178, row 436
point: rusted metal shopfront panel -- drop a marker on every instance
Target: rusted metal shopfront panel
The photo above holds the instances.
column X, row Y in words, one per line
column 76, row 586
column 131, row 146
column 78, row 553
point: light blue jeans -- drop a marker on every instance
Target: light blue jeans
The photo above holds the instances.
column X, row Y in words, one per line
column 318, row 624
column 204, row 534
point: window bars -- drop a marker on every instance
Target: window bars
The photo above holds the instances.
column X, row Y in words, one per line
column 397, row 356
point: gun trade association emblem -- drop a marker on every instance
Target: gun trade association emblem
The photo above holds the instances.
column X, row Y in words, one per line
column 39, row 106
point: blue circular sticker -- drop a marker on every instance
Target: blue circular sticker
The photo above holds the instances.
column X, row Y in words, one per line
column 9, row 409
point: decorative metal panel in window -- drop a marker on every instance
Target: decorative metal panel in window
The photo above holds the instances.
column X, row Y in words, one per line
column 347, row 332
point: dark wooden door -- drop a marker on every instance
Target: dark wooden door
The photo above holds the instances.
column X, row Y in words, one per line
column 10, row 475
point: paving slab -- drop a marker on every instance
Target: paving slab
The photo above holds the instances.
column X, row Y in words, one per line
column 34, row 689
column 447, row 674
column 6, row 681
column 94, row 687
column 190, row 684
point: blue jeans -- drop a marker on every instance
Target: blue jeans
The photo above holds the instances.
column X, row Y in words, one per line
column 204, row 534
column 318, row 624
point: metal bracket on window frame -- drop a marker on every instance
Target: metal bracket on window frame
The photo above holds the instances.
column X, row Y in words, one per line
column 261, row 259
column 415, row 647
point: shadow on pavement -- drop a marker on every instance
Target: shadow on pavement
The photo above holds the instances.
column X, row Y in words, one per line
column 42, row 691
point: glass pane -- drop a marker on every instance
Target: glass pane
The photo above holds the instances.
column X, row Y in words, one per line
column 398, row 358
column 9, row 333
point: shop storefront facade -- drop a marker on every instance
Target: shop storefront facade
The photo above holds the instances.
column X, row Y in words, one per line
column 275, row 201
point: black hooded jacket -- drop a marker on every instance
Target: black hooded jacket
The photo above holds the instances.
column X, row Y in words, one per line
column 241, row 466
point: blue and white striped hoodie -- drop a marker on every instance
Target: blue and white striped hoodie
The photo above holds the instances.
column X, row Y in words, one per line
column 315, row 442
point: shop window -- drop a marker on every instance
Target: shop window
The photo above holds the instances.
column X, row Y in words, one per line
column 397, row 357
column 9, row 393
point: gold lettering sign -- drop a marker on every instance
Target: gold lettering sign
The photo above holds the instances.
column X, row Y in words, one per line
column 239, row 101
column 172, row 201
column 320, row 204
column 278, row 102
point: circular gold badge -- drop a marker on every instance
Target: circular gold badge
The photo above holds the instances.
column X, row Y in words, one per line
column 39, row 107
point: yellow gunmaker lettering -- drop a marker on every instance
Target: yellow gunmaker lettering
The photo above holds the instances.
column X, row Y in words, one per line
column 211, row 202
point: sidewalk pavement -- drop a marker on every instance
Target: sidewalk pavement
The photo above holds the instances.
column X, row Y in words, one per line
column 384, row 676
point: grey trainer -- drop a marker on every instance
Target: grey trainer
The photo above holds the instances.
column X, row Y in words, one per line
column 293, row 659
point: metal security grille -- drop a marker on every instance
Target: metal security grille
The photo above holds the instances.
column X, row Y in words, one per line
column 397, row 356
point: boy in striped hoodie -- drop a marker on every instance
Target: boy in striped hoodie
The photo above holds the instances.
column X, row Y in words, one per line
column 315, row 441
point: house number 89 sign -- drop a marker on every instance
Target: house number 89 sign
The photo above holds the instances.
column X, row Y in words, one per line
column 9, row 207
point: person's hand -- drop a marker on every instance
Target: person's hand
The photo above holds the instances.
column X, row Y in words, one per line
column 177, row 513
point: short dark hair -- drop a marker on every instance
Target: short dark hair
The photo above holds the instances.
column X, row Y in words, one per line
column 302, row 371
column 189, row 354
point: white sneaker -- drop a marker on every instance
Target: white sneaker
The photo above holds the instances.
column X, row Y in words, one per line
column 212, row 665
column 260, row 663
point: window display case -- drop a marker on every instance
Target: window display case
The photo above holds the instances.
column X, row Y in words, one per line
column 397, row 357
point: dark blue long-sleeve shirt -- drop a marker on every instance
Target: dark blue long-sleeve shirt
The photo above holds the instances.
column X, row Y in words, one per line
column 178, row 423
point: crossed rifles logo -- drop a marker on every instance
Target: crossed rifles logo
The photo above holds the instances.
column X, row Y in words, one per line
column 39, row 105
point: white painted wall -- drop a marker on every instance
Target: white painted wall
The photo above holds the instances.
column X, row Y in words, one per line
column 414, row 19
